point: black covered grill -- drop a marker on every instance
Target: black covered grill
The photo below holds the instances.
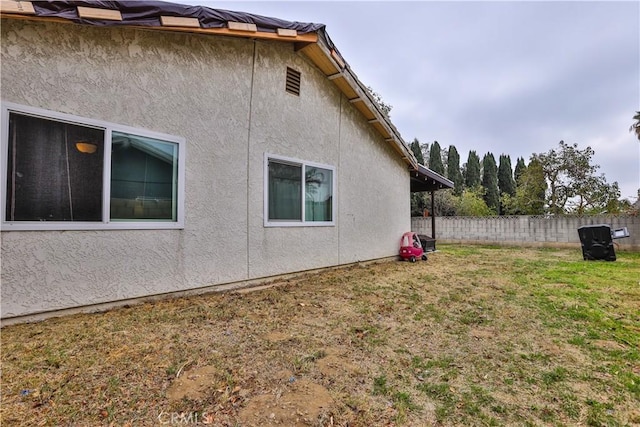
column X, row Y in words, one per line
column 597, row 242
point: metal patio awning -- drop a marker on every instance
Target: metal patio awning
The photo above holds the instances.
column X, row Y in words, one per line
column 424, row 179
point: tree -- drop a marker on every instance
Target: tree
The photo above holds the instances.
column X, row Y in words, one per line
column 534, row 188
column 453, row 170
column 384, row 107
column 417, row 151
column 444, row 155
column 636, row 126
column 424, row 148
column 472, row 170
column 530, row 192
column 520, row 168
column 419, row 200
column 435, row 159
column 444, row 203
column 506, row 183
column 595, row 196
column 573, row 185
column 470, row 203
column 490, row 182
column 554, row 167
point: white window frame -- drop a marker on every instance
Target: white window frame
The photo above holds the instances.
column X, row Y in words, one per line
column 302, row 222
column 106, row 223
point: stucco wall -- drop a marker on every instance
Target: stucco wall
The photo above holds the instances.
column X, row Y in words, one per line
column 226, row 97
column 304, row 127
column 375, row 212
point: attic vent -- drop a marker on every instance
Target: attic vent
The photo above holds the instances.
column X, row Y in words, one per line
column 293, row 81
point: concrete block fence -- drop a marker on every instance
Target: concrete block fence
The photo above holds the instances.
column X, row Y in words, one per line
column 557, row 231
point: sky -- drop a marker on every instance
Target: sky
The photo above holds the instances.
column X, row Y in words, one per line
column 505, row 77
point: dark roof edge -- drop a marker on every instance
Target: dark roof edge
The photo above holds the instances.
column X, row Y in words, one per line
column 428, row 173
column 148, row 13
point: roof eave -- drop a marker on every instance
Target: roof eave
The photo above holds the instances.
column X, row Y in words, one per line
column 315, row 45
column 331, row 63
column 424, row 179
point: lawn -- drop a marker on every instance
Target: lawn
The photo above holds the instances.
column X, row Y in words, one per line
column 474, row 336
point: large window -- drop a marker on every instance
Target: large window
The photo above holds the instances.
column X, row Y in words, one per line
column 65, row 172
column 298, row 192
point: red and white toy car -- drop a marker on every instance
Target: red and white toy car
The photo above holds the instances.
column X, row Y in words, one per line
column 411, row 248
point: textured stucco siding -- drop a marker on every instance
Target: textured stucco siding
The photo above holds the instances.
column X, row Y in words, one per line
column 373, row 214
column 304, row 127
column 226, row 97
column 150, row 80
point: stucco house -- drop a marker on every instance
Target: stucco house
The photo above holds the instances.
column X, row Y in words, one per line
column 152, row 149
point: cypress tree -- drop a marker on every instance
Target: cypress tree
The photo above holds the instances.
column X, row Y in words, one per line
column 472, row 171
column 418, row 199
column 435, row 159
column 506, row 183
column 520, row 168
column 490, row 182
column 532, row 189
column 417, row 151
column 453, row 170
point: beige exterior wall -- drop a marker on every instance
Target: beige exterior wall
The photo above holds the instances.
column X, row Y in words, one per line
column 226, row 97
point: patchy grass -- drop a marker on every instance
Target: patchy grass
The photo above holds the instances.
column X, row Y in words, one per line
column 475, row 336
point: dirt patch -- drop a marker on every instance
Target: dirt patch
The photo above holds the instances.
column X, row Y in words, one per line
column 608, row 345
column 335, row 364
column 295, row 402
column 292, row 401
column 564, row 351
column 482, row 333
column 193, row 384
column 277, row 337
column 300, row 403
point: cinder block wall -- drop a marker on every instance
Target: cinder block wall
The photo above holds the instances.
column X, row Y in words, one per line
column 561, row 231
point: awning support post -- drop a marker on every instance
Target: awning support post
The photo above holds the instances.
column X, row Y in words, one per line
column 433, row 215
